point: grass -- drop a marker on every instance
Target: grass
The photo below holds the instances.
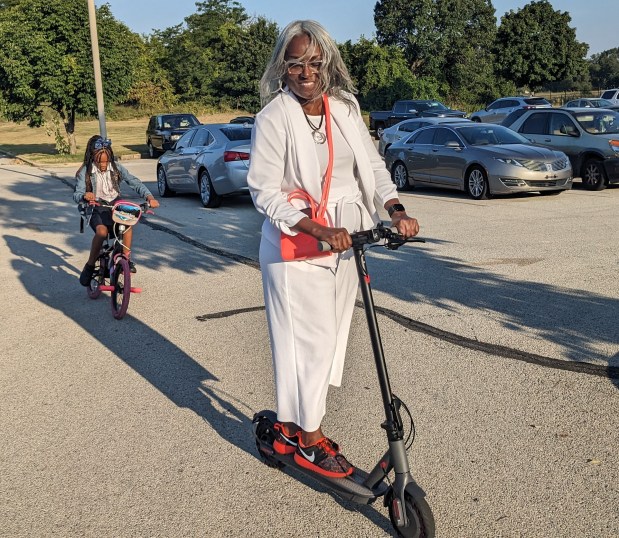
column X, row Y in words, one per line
column 128, row 138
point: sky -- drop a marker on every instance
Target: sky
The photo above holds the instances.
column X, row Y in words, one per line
column 350, row 19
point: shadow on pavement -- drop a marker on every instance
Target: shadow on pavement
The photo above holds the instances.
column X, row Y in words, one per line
column 158, row 360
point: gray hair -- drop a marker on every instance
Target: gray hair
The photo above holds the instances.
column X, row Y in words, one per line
column 334, row 78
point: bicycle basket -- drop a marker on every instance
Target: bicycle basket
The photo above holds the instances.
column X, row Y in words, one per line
column 126, row 213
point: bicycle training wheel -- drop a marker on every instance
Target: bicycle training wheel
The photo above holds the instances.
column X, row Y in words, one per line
column 97, row 279
column 122, row 288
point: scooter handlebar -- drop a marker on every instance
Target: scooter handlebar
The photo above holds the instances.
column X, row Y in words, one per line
column 393, row 240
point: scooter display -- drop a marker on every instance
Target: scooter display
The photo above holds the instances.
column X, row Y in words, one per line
column 409, row 512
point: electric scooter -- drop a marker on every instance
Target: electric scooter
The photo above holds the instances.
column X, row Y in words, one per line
column 409, row 512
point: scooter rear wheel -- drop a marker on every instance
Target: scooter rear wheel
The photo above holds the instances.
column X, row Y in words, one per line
column 265, row 435
column 419, row 515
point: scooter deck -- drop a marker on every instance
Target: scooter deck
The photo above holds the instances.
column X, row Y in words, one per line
column 351, row 487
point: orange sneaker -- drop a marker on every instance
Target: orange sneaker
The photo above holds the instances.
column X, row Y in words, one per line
column 284, row 443
column 323, row 458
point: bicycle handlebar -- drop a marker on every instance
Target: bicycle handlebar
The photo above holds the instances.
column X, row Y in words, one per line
column 393, row 240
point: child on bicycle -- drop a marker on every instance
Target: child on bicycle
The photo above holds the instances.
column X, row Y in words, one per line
column 99, row 178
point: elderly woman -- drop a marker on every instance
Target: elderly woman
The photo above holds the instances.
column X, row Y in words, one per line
column 309, row 304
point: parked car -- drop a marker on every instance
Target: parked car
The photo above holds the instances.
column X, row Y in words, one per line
column 243, row 119
column 480, row 159
column 589, row 136
column 611, row 95
column 591, row 102
column 406, row 127
column 165, row 129
column 211, row 160
column 498, row 110
column 408, row 109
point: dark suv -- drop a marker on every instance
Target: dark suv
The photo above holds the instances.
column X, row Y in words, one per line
column 165, row 129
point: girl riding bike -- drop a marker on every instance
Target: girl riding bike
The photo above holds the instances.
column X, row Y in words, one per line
column 99, row 178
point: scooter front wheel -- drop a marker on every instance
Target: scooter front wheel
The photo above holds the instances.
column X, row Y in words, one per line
column 418, row 514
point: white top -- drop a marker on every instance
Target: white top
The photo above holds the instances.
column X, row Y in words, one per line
column 105, row 186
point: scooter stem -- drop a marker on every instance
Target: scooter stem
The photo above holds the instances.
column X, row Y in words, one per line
column 393, row 423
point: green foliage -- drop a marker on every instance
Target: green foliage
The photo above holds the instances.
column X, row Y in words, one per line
column 382, row 75
column 536, row 46
column 604, row 69
column 219, row 54
column 47, row 60
column 449, row 41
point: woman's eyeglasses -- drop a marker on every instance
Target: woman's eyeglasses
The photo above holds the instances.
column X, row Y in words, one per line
column 296, row 68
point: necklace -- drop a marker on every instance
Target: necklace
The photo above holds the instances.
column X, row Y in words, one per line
column 318, row 136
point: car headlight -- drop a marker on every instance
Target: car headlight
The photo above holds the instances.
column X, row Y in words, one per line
column 614, row 144
column 506, row 160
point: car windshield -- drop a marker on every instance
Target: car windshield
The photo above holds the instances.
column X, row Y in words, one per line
column 598, row 121
column 536, row 101
column 431, row 105
column 238, row 133
column 600, row 103
column 181, row 121
column 496, row 135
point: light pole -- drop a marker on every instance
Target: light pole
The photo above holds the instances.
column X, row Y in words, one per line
column 92, row 18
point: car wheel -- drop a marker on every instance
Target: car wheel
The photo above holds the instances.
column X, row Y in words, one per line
column 399, row 174
column 476, row 119
column 593, row 175
column 207, row 193
column 162, row 183
column 476, row 183
column 152, row 152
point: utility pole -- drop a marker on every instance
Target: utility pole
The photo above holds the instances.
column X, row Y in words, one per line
column 94, row 39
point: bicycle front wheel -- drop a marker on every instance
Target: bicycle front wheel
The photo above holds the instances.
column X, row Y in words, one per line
column 122, row 288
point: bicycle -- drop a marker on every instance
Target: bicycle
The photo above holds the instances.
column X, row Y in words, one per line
column 112, row 270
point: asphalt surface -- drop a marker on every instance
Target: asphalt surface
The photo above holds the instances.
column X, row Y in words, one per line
column 500, row 333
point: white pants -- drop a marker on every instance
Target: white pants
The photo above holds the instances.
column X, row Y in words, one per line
column 309, row 310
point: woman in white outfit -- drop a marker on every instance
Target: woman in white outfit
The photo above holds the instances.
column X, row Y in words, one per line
column 309, row 304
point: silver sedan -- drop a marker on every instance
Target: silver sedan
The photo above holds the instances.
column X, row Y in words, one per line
column 480, row 159
column 405, row 128
column 210, row 160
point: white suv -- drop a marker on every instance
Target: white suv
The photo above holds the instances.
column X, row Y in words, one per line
column 611, row 95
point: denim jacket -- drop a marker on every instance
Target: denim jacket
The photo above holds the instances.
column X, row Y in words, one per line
column 125, row 176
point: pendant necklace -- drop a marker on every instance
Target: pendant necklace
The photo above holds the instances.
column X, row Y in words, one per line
column 318, row 136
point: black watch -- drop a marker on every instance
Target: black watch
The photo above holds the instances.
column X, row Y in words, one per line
column 395, row 207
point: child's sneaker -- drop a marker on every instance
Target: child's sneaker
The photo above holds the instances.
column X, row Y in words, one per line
column 86, row 275
column 323, row 458
column 284, row 443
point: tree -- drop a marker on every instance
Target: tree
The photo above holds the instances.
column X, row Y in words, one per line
column 604, row 69
column 219, row 54
column 382, row 75
column 536, row 46
column 47, row 61
column 450, row 41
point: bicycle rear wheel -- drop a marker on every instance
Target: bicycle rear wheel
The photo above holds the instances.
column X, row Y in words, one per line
column 97, row 279
column 122, row 288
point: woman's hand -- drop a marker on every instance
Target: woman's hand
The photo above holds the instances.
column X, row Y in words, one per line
column 152, row 202
column 89, row 196
column 338, row 238
column 406, row 226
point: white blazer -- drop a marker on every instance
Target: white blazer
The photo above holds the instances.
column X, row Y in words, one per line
column 283, row 158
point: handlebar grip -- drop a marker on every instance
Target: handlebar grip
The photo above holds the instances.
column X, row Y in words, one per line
column 323, row 246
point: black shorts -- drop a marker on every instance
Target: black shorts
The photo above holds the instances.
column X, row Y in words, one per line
column 102, row 215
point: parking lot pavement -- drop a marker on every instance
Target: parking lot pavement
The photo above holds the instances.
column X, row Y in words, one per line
column 142, row 426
